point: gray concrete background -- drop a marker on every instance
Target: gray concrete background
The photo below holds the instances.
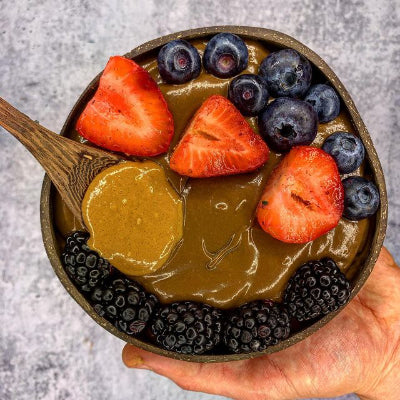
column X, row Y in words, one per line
column 49, row 51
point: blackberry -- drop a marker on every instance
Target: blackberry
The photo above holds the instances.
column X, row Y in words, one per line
column 83, row 265
column 187, row 327
column 255, row 326
column 317, row 288
column 124, row 303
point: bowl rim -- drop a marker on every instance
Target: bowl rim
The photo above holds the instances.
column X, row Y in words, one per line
column 274, row 38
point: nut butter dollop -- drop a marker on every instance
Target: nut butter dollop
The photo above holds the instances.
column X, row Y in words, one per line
column 134, row 216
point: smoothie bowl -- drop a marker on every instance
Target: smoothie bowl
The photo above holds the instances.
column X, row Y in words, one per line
column 248, row 226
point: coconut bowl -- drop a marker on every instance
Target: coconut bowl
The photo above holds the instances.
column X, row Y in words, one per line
column 273, row 40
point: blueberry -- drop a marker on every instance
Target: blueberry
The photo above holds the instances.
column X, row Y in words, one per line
column 249, row 94
column 288, row 74
column 288, row 122
column 361, row 198
column 325, row 102
column 178, row 62
column 225, row 55
column 346, row 149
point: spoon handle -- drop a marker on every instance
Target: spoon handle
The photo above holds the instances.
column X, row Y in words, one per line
column 70, row 165
column 47, row 147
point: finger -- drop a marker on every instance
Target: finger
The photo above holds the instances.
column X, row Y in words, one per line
column 385, row 259
column 385, row 272
column 381, row 292
column 225, row 379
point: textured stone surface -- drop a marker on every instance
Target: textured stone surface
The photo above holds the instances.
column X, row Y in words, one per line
column 50, row 50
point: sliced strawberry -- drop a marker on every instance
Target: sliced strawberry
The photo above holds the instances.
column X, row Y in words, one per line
column 128, row 112
column 218, row 141
column 303, row 198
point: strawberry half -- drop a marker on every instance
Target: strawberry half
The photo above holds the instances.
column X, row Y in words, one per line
column 128, row 112
column 218, row 141
column 303, row 198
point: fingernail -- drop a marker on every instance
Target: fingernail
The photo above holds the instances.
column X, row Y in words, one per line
column 134, row 361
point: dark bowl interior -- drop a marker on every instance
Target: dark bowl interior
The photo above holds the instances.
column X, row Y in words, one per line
column 273, row 40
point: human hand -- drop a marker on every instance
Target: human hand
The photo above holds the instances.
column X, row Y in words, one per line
column 358, row 351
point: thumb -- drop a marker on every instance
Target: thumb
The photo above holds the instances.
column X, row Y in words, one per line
column 217, row 378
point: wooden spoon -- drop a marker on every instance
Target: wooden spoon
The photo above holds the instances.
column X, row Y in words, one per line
column 70, row 165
